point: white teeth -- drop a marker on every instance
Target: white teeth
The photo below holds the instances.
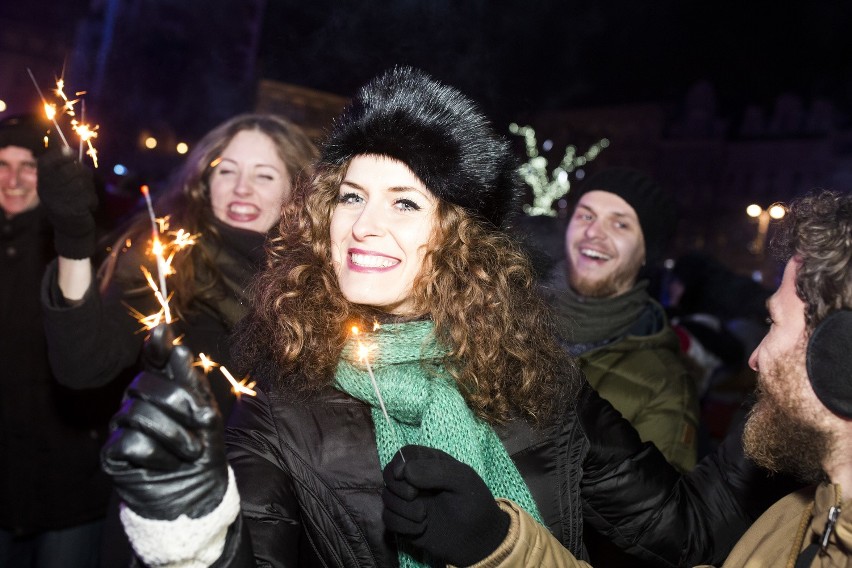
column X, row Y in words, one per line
column 371, row 261
column 591, row 253
column 243, row 209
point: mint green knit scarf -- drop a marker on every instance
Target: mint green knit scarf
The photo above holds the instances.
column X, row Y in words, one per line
column 425, row 408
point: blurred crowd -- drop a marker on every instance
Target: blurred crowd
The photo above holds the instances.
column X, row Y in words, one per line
column 518, row 358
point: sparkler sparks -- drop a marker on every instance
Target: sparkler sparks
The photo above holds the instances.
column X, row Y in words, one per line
column 243, row 386
column 156, row 245
column 164, row 254
column 364, row 356
column 85, row 132
column 165, row 313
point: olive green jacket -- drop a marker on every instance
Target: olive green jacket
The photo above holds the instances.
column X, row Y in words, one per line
column 646, row 379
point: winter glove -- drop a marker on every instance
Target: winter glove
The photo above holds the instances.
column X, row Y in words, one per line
column 166, row 452
column 442, row 506
column 67, row 191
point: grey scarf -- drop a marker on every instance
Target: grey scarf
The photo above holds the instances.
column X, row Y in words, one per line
column 582, row 320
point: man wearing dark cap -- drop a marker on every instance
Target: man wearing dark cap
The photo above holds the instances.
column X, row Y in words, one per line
column 52, row 492
column 622, row 222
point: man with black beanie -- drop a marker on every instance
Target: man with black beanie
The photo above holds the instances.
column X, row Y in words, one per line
column 52, row 492
column 621, row 223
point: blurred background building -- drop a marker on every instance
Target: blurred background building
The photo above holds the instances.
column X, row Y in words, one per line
column 723, row 107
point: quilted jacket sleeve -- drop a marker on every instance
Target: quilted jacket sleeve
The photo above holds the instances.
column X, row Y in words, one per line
column 637, row 500
column 92, row 343
column 269, row 507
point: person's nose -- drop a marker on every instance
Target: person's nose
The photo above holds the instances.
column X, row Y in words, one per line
column 752, row 361
column 245, row 184
column 369, row 222
column 594, row 230
column 11, row 177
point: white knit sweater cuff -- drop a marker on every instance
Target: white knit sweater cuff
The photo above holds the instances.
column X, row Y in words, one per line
column 183, row 542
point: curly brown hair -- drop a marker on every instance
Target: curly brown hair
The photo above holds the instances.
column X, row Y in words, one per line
column 817, row 231
column 187, row 202
column 476, row 284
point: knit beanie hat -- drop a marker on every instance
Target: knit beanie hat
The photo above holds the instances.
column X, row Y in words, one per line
column 654, row 207
column 24, row 131
column 439, row 133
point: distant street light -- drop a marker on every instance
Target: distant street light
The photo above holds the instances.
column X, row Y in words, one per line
column 763, row 216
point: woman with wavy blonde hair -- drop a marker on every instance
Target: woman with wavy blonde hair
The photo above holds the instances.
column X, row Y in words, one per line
column 228, row 193
column 412, row 407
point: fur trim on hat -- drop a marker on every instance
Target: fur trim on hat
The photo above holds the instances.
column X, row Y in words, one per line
column 436, row 131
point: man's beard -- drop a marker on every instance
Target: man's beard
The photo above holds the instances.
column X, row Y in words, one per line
column 614, row 284
column 778, row 437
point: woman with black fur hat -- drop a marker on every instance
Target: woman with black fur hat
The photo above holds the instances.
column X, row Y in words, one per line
column 455, row 431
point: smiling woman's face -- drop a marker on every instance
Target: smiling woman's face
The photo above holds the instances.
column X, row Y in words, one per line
column 380, row 227
column 249, row 182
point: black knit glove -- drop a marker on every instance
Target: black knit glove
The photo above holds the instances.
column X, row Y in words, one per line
column 442, row 506
column 166, row 453
column 68, row 193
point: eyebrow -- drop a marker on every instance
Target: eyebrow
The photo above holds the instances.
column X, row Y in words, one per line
column 393, row 188
column 615, row 213
column 221, row 159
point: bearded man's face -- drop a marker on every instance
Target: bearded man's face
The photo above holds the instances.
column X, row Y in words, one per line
column 787, row 429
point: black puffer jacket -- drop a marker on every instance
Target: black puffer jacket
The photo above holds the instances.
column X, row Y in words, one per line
column 310, row 485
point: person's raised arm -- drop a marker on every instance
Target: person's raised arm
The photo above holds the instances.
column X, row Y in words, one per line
column 67, row 190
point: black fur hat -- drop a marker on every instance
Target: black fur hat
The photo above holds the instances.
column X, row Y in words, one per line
column 436, row 131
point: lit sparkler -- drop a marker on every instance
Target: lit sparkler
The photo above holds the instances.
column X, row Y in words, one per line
column 156, row 245
column 239, row 388
column 164, row 254
column 364, row 356
column 165, row 313
column 49, row 109
column 85, row 132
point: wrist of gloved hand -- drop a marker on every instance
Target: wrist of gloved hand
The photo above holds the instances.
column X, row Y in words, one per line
column 442, row 506
column 184, row 540
column 76, row 247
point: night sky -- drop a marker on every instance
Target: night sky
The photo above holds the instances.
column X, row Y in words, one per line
column 527, row 55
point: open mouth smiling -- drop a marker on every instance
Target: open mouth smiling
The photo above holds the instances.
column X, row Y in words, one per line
column 594, row 254
column 362, row 260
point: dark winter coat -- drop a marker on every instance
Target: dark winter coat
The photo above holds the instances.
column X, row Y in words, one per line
column 50, row 436
column 310, row 485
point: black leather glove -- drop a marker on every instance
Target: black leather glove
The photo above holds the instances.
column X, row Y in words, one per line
column 68, row 193
column 442, row 506
column 166, row 452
